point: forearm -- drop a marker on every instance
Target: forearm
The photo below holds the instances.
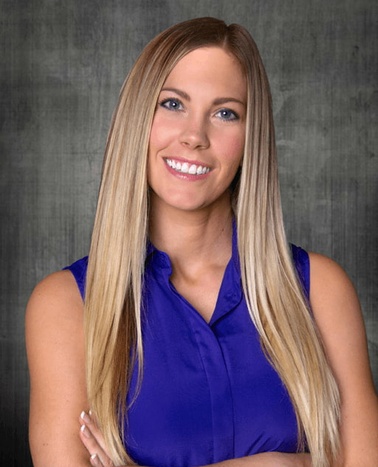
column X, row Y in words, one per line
column 93, row 440
column 268, row 459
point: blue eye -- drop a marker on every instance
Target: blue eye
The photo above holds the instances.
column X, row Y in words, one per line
column 227, row 115
column 171, row 104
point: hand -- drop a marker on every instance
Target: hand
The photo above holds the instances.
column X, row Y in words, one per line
column 93, row 440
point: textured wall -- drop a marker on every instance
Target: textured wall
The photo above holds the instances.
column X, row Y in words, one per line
column 61, row 67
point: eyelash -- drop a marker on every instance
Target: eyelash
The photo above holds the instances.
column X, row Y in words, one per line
column 234, row 117
column 165, row 103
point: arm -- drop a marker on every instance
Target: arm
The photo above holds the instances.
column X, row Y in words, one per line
column 55, row 349
column 93, row 440
column 338, row 315
column 339, row 318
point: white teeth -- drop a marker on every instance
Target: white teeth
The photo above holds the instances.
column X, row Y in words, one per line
column 185, row 168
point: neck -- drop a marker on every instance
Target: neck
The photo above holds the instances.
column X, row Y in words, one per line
column 192, row 237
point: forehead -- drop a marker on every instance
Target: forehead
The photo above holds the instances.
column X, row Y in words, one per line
column 214, row 68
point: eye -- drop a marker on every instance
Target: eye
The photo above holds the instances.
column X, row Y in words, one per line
column 171, row 104
column 227, row 115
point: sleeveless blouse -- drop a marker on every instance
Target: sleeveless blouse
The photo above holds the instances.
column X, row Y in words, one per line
column 208, row 392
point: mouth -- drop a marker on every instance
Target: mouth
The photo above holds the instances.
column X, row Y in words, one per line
column 187, row 167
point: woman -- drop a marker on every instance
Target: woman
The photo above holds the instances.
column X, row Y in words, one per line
column 204, row 343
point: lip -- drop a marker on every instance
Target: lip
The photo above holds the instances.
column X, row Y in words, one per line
column 187, row 176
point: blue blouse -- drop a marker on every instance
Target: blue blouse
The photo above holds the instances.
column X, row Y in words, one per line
column 208, row 392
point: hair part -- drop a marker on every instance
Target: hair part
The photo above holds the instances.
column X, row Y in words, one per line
column 113, row 303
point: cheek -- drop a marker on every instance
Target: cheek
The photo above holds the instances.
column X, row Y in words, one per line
column 163, row 131
column 158, row 133
column 154, row 135
column 233, row 147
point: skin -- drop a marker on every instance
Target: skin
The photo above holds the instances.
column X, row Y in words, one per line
column 191, row 221
column 200, row 118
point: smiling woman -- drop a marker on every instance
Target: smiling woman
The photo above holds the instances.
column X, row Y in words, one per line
column 191, row 330
column 198, row 132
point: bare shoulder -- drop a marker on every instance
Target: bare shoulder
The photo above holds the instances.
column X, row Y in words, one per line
column 54, row 312
column 55, row 350
column 60, row 282
column 333, row 297
column 336, row 308
column 57, row 285
column 340, row 321
column 329, row 280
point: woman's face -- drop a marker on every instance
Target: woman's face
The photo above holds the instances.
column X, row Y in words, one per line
column 198, row 131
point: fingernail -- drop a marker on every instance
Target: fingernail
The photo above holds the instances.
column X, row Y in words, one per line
column 95, row 461
column 84, row 416
column 85, row 431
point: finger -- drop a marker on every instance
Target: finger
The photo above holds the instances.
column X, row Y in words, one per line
column 95, row 461
column 89, row 420
column 94, row 448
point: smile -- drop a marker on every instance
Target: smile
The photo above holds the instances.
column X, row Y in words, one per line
column 186, row 168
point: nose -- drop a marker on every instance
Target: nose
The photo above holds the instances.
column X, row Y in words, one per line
column 195, row 133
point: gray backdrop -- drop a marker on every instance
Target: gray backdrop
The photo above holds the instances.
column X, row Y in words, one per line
column 61, row 67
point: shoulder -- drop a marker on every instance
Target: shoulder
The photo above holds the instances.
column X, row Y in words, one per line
column 329, row 280
column 54, row 317
column 55, row 292
column 54, row 314
column 338, row 316
column 335, row 305
column 334, row 300
column 55, row 351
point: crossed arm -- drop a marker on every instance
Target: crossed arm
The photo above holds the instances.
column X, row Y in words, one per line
column 55, row 347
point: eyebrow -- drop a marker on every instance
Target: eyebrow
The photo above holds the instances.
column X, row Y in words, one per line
column 218, row 101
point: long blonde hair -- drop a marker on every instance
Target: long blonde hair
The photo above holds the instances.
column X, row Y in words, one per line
column 274, row 296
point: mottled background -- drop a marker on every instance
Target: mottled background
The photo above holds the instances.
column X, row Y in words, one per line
column 61, row 67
